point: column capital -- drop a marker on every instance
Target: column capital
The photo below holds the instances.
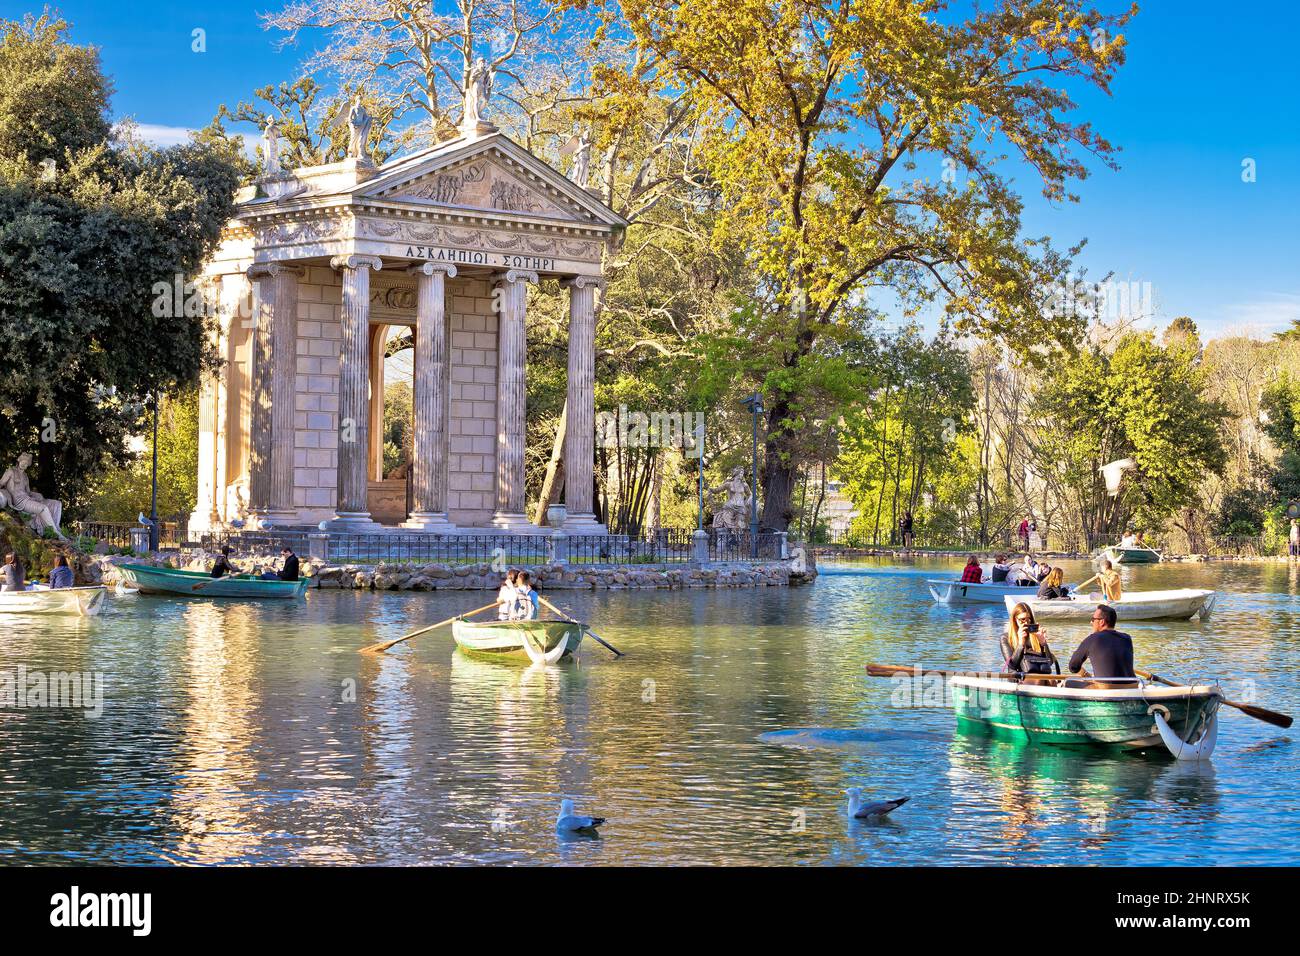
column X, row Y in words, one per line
column 357, row 262
column 516, row 275
column 264, row 270
column 581, row 282
column 432, row 268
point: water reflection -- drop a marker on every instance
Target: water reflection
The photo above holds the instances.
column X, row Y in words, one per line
column 728, row 734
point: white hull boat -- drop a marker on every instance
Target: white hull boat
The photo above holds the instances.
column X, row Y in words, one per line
column 1180, row 605
column 955, row 592
column 39, row 599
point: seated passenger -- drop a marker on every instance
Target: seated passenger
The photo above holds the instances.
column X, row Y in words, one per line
column 998, row 574
column 61, row 574
column 1052, row 588
column 972, row 573
column 1024, row 644
column 1109, row 651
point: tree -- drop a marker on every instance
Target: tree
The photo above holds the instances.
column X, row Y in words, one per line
column 818, row 118
column 1142, row 402
column 84, row 340
column 123, row 492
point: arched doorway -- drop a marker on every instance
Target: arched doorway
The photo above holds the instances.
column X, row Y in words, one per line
column 391, row 415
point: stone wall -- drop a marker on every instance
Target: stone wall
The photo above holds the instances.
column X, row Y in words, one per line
column 472, row 462
column 481, row 577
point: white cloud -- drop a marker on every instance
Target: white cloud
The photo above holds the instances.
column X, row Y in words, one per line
column 159, row 135
column 1256, row 318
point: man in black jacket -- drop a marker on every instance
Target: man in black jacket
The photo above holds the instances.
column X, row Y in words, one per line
column 290, row 570
column 1109, row 651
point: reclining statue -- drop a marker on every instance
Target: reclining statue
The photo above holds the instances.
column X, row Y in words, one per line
column 16, row 493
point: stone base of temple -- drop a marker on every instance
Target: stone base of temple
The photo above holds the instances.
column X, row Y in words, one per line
column 515, row 524
column 582, row 524
column 269, row 520
column 355, row 522
column 428, row 521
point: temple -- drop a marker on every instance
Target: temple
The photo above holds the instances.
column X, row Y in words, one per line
column 314, row 272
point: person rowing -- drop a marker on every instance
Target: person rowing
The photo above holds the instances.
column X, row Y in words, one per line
column 1024, row 644
column 1026, row 573
column 1109, row 579
column 507, row 595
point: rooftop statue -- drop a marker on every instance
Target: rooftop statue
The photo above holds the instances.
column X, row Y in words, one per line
column 271, row 146
column 478, row 90
column 359, row 123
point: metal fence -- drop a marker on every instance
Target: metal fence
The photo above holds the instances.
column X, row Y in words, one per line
column 117, row 534
column 666, row 546
column 1066, row 541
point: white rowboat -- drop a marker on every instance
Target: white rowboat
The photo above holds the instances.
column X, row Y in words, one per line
column 39, row 599
column 955, row 592
column 1180, row 605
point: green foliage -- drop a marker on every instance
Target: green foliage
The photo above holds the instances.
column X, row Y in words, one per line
column 123, row 492
column 1242, row 512
column 80, row 252
column 398, row 410
column 1141, row 401
column 1281, row 406
column 902, row 438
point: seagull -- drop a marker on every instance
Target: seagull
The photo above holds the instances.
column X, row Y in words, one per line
column 1114, row 472
column 142, row 519
column 867, row 811
column 569, row 822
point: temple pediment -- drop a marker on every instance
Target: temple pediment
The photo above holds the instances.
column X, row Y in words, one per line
column 489, row 174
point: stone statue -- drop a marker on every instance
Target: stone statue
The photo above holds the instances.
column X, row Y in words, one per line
column 734, row 515
column 478, row 90
column 582, row 161
column 359, row 123
column 14, row 487
column 271, row 146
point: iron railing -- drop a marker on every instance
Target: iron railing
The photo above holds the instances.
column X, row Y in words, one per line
column 117, row 534
column 665, row 546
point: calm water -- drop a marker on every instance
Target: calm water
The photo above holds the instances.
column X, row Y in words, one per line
column 226, row 736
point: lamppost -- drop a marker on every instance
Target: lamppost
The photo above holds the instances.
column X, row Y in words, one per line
column 153, row 482
column 699, row 448
column 755, row 405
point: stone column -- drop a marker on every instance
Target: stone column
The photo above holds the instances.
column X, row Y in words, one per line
column 204, row 517
column 275, row 363
column 353, row 513
column 233, row 314
column 512, row 294
column 432, row 389
column 580, row 436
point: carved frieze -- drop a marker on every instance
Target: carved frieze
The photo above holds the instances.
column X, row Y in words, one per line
column 487, row 240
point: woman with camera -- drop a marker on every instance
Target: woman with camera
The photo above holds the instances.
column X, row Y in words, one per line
column 1024, row 644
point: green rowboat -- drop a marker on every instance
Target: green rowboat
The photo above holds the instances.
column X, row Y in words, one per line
column 1120, row 718
column 1118, row 555
column 151, row 580
column 539, row 641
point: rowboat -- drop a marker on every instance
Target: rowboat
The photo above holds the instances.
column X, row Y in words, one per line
column 955, row 592
column 40, row 599
column 1118, row 555
column 1180, row 605
column 152, row 580
column 1134, row 716
column 543, row 642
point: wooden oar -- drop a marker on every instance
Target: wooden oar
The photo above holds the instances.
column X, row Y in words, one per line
column 569, row 617
column 889, row 670
column 1259, row 713
column 383, row 646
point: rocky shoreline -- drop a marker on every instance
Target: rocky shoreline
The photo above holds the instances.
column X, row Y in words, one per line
column 385, row 576
column 1059, row 555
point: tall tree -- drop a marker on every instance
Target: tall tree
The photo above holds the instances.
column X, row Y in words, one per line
column 83, row 339
column 822, row 118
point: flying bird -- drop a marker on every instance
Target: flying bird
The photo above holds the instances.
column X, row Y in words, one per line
column 1114, row 472
column 867, row 811
column 570, row 822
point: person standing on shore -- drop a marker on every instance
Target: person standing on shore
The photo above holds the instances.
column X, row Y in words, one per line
column 1295, row 538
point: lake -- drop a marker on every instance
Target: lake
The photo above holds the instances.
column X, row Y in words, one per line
column 254, row 733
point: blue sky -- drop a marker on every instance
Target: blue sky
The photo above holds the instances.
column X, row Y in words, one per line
column 1206, row 87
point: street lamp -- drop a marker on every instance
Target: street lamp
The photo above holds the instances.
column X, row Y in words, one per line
column 153, row 483
column 755, row 405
